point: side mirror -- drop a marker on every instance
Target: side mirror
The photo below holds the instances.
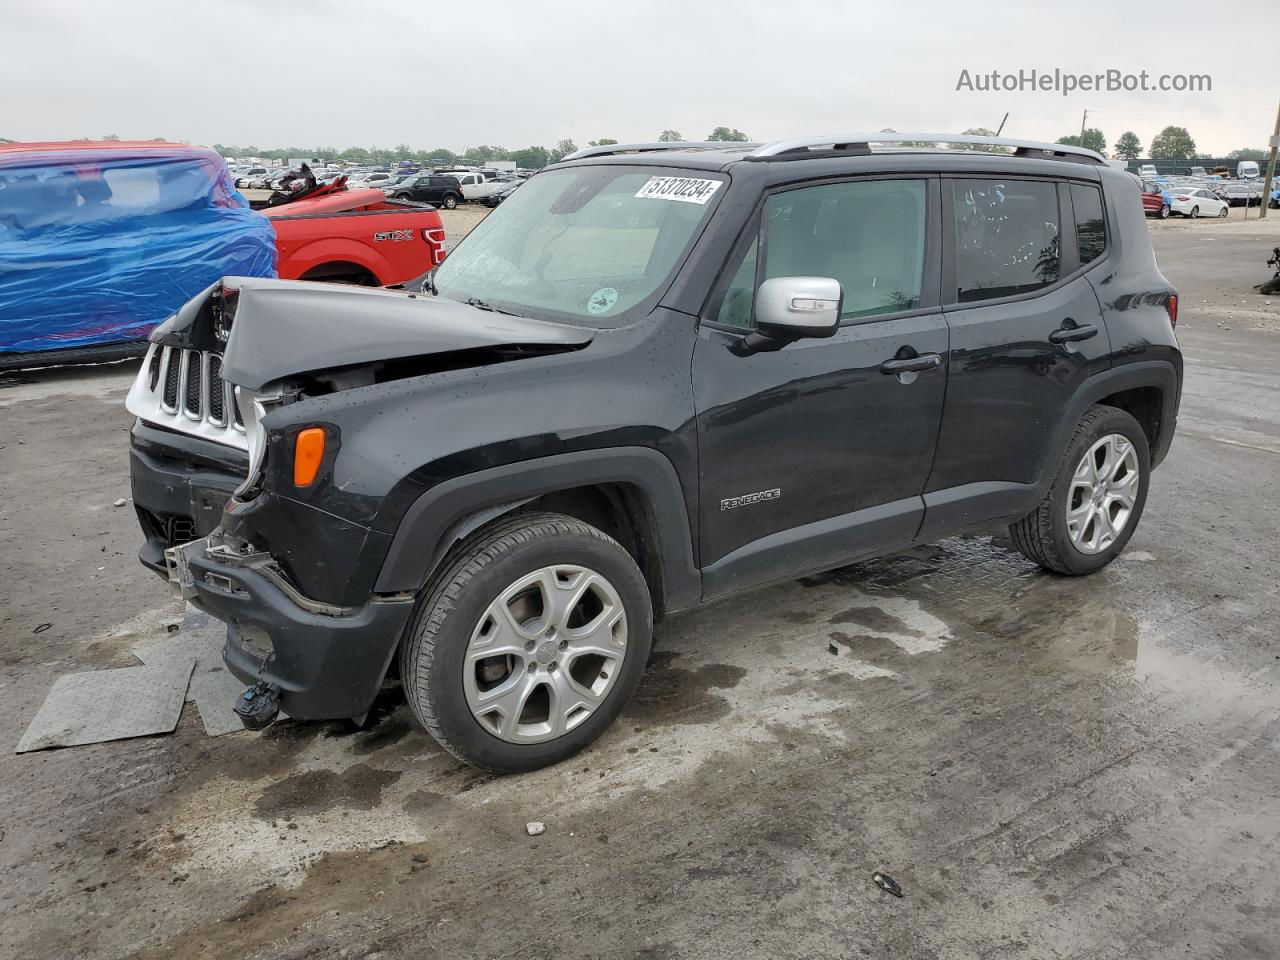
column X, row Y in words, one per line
column 792, row 308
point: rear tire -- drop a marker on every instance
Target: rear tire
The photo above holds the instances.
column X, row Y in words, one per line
column 503, row 666
column 1050, row 536
column 450, row 202
column 1195, row 212
column 1164, row 212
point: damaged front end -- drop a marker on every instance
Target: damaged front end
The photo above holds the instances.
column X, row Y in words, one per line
column 284, row 548
column 315, row 660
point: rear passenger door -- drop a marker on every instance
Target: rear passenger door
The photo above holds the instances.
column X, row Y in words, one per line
column 1026, row 333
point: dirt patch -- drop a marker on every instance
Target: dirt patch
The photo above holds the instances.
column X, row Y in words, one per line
column 671, row 695
column 274, row 919
column 359, row 787
column 875, row 620
column 461, row 221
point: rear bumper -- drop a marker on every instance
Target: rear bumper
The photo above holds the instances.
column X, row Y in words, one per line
column 328, row 662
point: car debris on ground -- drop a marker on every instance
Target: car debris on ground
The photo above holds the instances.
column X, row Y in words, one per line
column 887, row 883
column 178, row 667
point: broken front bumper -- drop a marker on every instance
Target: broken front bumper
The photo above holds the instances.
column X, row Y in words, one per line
column 327, row 661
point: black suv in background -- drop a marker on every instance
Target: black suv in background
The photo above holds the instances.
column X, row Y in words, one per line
column 656, row 375
column 438, row 188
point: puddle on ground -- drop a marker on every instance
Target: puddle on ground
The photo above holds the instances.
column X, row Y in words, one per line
column 723, row 680
column 671, row 695
column 358, row 787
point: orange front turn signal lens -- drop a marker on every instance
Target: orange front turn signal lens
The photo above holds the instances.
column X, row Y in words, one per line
column 308, row 451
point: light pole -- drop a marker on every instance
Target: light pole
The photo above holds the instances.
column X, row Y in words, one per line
column 1271, row 169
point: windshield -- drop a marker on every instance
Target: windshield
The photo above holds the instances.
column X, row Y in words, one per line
column 584, row 243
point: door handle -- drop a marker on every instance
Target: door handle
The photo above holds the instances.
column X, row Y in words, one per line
column 1065, row 334
column 926, row 361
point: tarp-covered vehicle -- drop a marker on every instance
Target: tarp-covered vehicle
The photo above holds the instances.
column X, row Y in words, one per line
column 101, row 241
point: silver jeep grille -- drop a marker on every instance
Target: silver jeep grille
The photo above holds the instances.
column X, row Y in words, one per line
column 183, row 390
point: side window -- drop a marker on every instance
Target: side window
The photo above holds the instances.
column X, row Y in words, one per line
column 1091, row 225
column 1006, row 237
column 868, row 234
column 739, row 300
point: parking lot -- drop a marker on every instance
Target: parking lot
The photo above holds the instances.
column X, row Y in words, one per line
column 1049, row 767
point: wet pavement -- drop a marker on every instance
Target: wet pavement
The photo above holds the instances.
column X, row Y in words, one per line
column 1048, row 767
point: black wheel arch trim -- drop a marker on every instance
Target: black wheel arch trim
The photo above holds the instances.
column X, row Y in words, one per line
column 450, row 510
column 1162, row 374
column 951, row 510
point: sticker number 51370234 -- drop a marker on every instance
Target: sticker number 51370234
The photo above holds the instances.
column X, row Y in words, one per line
column 684, row 189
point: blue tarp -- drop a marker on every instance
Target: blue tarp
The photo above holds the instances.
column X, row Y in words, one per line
column 99, row 243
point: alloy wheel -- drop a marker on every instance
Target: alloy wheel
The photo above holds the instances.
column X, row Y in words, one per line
column 1102, row 494
column 545, row 654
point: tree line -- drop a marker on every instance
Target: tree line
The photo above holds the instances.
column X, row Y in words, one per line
column 530, row 158
column 1171, row 143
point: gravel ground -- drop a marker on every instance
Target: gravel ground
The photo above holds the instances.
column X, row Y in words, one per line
column 1049, row 767
column 460, row 221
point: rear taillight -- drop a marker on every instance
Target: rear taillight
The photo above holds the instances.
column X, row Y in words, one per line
column 435, row 237
column 1182, row 199
column 1171, row 305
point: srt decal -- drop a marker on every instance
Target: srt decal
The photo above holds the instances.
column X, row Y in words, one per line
column 730, row 503
column 394, row 235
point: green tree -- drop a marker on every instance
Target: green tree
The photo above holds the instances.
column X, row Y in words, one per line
column 731, row 134
column 1128, row 147
column 530, row 158
column 562, row 150
column 670, row 136
column 980, row 147
column 1173, row 143
column 1092, row 140
column 602, row 142
column 1247, row 153
column 110, row 136
column 910, row 143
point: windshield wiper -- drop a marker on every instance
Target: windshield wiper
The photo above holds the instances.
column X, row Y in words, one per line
column 481, row 305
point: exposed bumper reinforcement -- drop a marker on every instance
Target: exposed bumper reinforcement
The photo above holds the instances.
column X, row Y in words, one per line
column 327, row 662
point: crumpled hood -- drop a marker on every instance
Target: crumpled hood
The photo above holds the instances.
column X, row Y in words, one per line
column 286, row 327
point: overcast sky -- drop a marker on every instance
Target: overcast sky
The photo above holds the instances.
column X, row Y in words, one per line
column 456, row 74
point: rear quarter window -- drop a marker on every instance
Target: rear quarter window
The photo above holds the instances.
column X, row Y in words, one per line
column 1091, row 224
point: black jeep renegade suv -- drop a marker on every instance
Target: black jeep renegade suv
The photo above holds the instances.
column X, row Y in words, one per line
column 656, row 375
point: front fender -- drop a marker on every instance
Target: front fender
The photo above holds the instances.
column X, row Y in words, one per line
column 438, row 518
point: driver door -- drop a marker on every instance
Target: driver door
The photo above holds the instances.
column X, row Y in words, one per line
column 817, row 453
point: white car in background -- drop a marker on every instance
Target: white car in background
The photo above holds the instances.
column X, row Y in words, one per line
column 1197, row 203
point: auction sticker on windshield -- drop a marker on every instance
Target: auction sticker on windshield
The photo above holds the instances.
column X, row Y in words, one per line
column 684, row 189
column 602, row 301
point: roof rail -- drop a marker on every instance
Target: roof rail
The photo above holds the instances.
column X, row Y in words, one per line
column 860, row 143
column 609, row 149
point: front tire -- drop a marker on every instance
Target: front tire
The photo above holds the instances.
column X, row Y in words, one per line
column 1224, row 211
column 529, row 644
column 1096, row 500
